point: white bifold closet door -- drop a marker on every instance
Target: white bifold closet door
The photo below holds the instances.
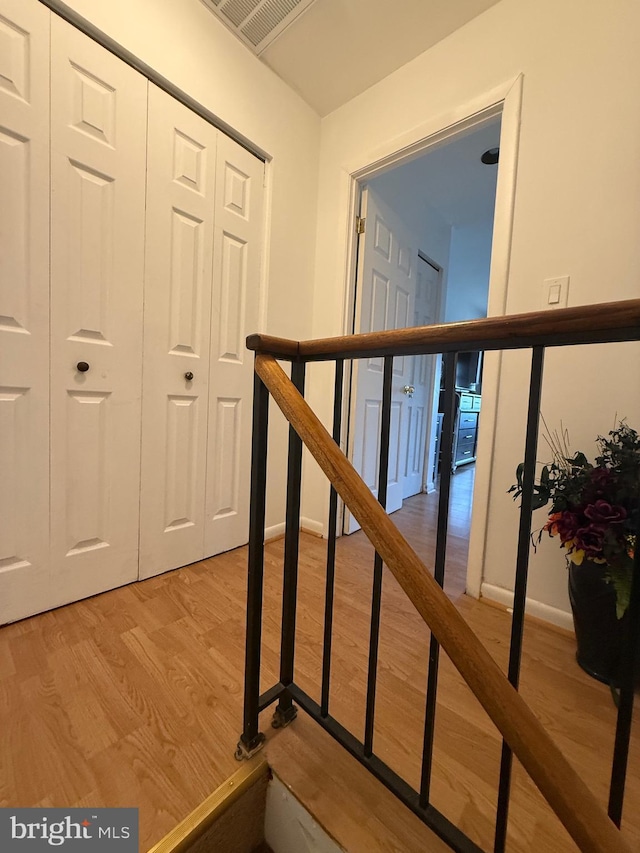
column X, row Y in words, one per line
column 98, row 159
column 24, row 308
column 202, row 277
column 104, row 479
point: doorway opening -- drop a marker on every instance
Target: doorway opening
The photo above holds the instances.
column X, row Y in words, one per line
column 424, row 256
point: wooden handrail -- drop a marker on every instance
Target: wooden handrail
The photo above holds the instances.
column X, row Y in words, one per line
column 610, row 321
column 569, row 797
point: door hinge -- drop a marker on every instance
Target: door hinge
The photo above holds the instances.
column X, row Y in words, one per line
column 360, row 223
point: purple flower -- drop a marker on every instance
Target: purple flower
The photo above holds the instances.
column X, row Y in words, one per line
column 589, row 539
column 565, row 525
column 602, row 512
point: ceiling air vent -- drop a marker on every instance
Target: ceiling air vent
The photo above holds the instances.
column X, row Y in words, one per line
column 257, row 22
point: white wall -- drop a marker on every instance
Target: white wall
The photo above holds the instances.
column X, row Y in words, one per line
column 576, row 211
column 469, row 262
column 185, row 43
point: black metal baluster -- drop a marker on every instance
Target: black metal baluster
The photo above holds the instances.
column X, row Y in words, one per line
column 331, row 549
column 251, row 739
column 629, row 666
column 446, row 465
column 376, row 597
column 520, row 588
column 286, row 711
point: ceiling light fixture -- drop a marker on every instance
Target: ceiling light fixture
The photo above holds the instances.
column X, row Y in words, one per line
column 491, row 156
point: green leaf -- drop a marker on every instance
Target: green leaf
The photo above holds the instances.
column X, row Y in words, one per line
column 621, row 580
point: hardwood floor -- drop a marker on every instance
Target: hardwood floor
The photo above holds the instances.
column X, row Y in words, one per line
column 134, row 697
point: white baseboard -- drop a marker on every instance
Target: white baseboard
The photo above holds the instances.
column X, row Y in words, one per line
column 534, row 608
column 308, row 524
column 275, row 531
column 312, row 526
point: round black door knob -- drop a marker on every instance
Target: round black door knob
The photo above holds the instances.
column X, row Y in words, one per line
column 188, row 376
column 82, row 366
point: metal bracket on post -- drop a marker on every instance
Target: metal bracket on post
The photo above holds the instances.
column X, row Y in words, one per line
column 282, row 717
column 245, row 751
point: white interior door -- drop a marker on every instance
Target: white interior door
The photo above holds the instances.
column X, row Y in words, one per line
column 421, row 373
column 179, row 244
column 235, row 312
column 24, row 308
column 98, row 160
column 386, row 286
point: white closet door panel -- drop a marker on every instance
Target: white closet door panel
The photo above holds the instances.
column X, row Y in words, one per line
column 235, row 313
column 98, row 157
column 180, row 214
column 24, row 308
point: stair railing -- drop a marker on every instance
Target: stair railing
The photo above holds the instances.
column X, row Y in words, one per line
column 576, row 806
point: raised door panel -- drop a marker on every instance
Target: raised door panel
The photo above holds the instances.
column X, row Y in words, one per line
column 368, row 459
column 179, row 244
column 414, row 459
column 24, row 308
column 237, row 270
column 98, row 157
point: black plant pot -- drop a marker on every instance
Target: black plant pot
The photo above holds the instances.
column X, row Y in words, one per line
column 599, row 633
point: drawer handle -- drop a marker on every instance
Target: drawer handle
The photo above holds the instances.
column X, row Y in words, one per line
column 468, row 436
column 467, row 453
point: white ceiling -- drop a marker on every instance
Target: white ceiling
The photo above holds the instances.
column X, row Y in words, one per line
column 338, row 48
column 449, row 178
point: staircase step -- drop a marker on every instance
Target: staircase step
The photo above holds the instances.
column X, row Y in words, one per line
column 351, row 805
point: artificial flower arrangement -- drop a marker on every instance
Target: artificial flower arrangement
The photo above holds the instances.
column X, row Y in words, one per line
column 594, row 507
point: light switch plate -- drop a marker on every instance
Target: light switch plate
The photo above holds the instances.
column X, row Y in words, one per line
column 555, row 292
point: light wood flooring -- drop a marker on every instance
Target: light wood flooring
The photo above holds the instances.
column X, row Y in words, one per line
column 134, row 697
